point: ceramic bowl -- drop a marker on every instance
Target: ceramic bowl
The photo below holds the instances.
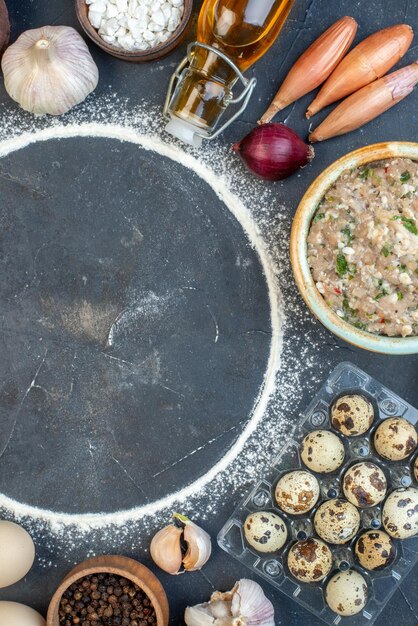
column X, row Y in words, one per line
column 121, row 566
column 135, row 56
column 298, row 249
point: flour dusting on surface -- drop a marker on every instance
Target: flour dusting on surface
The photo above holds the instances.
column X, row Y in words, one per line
column 292, row 363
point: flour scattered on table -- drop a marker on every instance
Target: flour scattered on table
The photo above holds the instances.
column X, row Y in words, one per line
column 293, row 363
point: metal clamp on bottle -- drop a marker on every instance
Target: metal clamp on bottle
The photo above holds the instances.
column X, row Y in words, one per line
column 192, row 133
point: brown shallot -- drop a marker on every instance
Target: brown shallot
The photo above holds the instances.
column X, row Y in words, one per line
column 314, row 66
column 367, row 103
column 367, row 62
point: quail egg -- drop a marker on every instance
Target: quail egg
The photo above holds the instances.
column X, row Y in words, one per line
column 352, row 415
column 416, row 469
column 337, row 521
column 265, row 531
column 346, row 593
column 310, row 561
column 364, row 484
column 400, row 513
column 322, row 451
column 395, row 439
column 375, row 550
column 297, row 492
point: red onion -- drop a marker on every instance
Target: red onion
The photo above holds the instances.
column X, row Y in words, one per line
column 274, row 151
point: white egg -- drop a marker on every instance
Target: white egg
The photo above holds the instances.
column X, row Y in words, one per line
column 17, row 553
column 14, row 614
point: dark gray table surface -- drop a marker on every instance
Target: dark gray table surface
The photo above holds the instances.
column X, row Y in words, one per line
column 239, row 378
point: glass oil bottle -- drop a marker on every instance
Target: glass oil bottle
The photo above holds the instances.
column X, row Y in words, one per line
column 231, row 36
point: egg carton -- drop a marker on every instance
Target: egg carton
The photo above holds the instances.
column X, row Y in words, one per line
column 346, row 378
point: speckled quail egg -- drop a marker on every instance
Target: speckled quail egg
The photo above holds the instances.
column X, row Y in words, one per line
column 297, row 492
column 364, row 484
column 346, row 593
column 310, row 561
column 265, row 531
column 352, row 415
column 337, row 521
column 375, row 550
column 400, row 513
column 395, row 439
column 322, row 451
column 416, row 469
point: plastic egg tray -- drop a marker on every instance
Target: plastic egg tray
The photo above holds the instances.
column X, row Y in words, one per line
column 346, row 378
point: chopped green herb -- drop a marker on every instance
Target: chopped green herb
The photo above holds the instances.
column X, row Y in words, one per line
column 318, row 216
column 416, row 271
column 400, row 295
column 408, row 222
column 364, row 174
column 347, row 232
column 405, row 176
column 381, row 294
column 402, row 267
column 360, row 325
column 341, row 265
column 386, row 250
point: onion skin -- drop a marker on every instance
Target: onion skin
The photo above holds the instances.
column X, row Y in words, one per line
column 273, row 151
column 314, row 65
column 368, row 61
column 367, row 103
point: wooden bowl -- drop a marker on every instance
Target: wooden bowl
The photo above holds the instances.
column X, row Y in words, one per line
column 121, row 566
column 299, row 249
column 135, row 56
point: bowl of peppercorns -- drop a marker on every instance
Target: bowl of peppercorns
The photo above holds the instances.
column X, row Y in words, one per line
column 109, row 591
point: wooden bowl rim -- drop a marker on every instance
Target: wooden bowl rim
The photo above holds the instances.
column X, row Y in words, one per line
column 112, row 564
column 298, row 248
column 134, row 55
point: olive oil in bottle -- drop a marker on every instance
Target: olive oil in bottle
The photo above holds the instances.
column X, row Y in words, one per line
column 234, row 34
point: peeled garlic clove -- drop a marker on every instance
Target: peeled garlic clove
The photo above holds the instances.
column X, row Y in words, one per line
column 201, row 615
column 166, row 549
column 49, row 70
column 250, row 604
column 199, row 545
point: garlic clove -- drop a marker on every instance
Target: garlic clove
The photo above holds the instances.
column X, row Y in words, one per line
column 251, row 605
column 49, row 70
column 244, row 605
column 166, row 549
column 199, row 545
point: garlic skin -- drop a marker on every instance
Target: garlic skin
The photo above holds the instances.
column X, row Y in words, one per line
column 199, row 545
column 166, row 549
column 244, row 605
column 49, row 70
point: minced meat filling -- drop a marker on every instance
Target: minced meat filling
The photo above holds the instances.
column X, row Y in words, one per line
column 363, row 247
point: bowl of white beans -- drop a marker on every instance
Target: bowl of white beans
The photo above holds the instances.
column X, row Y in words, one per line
column 135, row 30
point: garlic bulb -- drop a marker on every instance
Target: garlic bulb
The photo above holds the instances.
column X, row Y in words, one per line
column 166, row 549
column 244, row 605
column 49, row 70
